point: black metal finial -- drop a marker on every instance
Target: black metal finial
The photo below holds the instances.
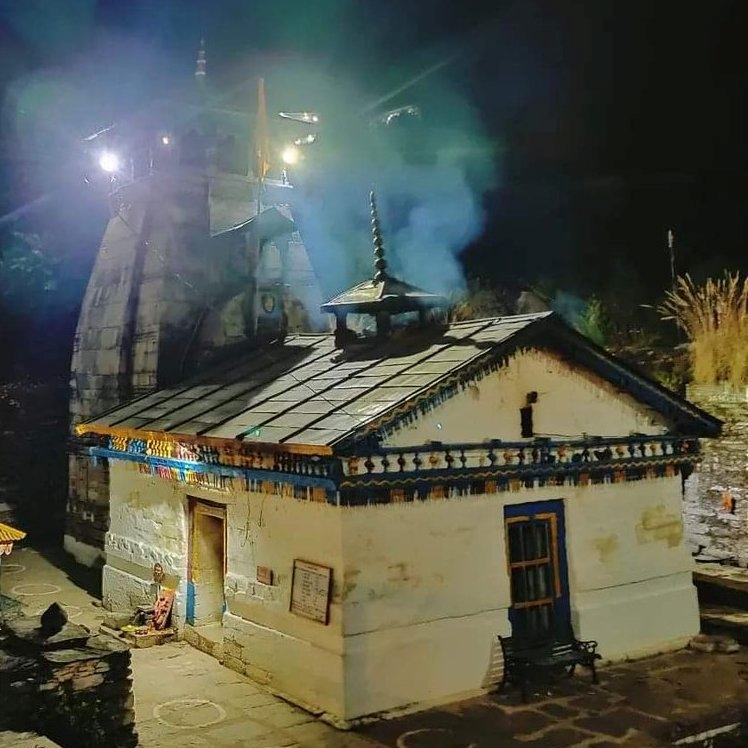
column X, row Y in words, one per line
column 379, row 263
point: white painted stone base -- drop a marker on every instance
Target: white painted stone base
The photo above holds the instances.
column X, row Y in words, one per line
column 295, row 669
column 84, row 554
column 123, row 592
column 637, row 619
column 673, row 645
column 424, row 664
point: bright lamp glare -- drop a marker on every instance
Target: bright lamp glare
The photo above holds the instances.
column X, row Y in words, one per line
column 109, row 162
column 165, row 140
column 290, row 155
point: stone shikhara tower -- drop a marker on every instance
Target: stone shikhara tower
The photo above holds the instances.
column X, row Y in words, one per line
column 191, row 264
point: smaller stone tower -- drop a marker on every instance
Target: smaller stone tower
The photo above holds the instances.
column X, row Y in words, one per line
column 198, row 256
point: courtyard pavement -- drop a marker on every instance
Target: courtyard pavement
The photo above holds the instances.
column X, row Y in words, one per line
column 184, row 697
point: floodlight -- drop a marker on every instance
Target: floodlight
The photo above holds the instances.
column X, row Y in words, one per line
column 109, row 162
column 290, row 155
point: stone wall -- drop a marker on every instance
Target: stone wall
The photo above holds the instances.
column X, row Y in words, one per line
column 716, row 495
column 143, row 296
column 88, row 508
column 73, row 687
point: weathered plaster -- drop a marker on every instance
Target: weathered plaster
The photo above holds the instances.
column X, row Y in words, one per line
column 571, row 402
column 430, row 600
column 149, row 523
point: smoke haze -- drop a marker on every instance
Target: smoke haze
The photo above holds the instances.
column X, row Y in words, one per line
column 429, row 172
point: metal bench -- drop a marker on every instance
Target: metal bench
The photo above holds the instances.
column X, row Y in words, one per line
column 526, row 660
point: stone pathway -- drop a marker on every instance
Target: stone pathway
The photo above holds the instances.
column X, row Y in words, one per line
column 653, row 702
column 25, row 740
column 37, row 579
column 185, row 698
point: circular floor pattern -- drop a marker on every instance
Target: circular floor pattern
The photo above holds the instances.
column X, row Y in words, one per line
column 36, row 589
column 189, row 713
column 73, row 611
column 13, row 568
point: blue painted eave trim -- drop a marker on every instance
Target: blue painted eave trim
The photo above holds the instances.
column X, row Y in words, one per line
column 223, row 470
column 462, row 476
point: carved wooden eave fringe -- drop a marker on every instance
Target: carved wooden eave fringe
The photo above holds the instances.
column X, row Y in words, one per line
column 207, row 442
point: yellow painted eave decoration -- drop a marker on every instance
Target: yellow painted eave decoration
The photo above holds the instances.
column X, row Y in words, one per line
column 9, row 534
column 210, row 441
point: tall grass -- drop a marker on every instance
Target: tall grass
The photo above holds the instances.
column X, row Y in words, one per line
column 714, row 317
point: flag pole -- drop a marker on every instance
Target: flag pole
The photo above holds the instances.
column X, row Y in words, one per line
column 261, row 167
column 671, row 249
column 261, row 142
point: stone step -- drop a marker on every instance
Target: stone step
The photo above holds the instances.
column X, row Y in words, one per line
column 25, row 740
column 721, row 585
column 727, row 620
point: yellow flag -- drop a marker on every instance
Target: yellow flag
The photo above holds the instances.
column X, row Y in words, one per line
column 262, row 141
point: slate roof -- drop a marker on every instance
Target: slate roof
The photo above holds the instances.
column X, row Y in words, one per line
column 383, row 292
column 387, row 295
column 304, row 392
column 271, row 221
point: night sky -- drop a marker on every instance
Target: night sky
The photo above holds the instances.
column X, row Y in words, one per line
column 602, row 124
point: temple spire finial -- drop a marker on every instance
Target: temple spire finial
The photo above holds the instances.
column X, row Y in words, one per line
column 201, row 63
column 380, row 263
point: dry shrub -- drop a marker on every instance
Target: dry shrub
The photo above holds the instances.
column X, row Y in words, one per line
column 715, row 319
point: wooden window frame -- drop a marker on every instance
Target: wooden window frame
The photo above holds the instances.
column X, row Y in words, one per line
column 552, row 558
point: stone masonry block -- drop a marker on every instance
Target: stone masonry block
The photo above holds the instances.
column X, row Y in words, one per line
column 86, row 682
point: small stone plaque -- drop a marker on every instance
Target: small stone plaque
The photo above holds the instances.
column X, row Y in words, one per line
column 310, row 591
column 264, row 575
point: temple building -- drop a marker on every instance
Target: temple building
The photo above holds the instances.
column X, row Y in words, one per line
column 201, row 256
column 355, row 516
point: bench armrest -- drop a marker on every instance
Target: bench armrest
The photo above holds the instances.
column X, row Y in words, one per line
column 588, row 646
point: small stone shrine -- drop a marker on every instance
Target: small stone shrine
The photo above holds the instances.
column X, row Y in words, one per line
column 355, row 517
column 59, row 680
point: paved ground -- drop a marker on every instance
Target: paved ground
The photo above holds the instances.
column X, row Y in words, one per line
column 182, row 697
column 647, row 703
column 186, row 698
column 202, row 703
column 36, row 579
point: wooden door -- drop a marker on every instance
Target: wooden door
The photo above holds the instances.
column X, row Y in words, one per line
column 207, row 563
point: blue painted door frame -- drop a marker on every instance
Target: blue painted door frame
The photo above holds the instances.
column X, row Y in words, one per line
column 551, row 515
